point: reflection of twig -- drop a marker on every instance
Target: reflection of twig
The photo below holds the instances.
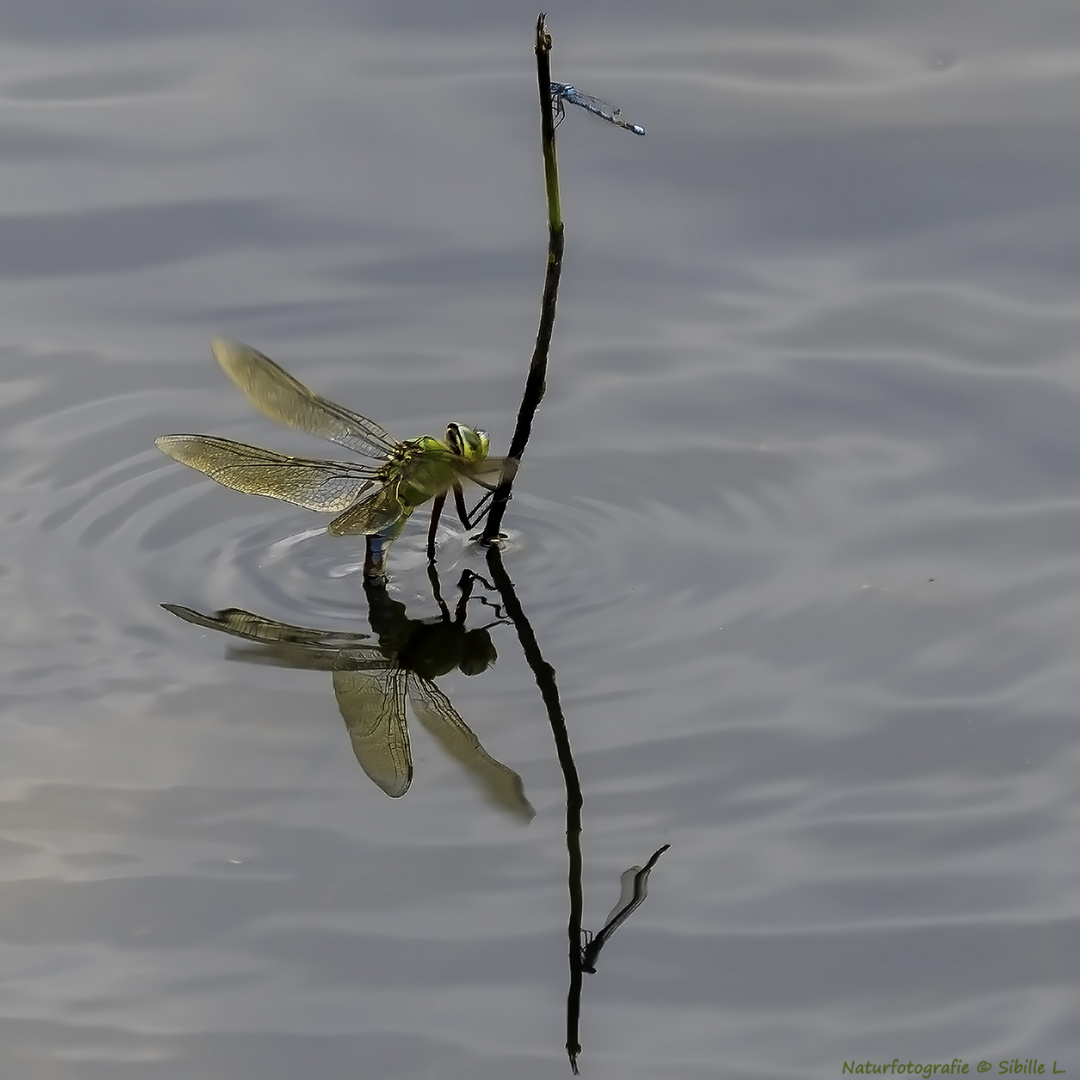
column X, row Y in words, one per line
column 535, row 383
column 635, row 881
column 544, row 674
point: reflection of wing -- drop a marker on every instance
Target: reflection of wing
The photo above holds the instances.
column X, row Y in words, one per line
column 371, row 516
column 247, row 624
column 285, row 645
column 276, row 394
column 315, row 485
column 502, row 785
column 372, row 704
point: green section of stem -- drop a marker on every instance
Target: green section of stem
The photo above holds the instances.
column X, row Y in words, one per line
column 535, row 383
column 547, row 126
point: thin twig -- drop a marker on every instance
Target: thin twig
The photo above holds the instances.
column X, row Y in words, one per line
column 535, row 383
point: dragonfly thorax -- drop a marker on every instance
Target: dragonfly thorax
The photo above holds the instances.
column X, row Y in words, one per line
column 469, row 443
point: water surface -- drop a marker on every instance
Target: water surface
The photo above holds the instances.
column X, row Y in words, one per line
column 798, row 531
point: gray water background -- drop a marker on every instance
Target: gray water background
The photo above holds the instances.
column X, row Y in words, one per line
column 799, row 530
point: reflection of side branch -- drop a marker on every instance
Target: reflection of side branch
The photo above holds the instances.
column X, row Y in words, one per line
column 635, row 886
column 544, row 674
column 535, row 383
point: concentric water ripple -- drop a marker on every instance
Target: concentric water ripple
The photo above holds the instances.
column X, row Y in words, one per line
column 148, row 530
column 797, row 533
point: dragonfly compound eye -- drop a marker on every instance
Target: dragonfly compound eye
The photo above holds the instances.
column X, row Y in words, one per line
column 469, row 443
column 453, row 438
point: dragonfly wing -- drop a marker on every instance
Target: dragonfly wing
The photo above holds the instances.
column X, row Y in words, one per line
column 376, row 515
column 315, row 485
column 276, row 394
column 489, row 470
column 372, row 704
column 501, row 785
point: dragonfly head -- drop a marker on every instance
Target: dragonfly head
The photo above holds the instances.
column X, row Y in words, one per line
column 468, row 443
column 477, row 651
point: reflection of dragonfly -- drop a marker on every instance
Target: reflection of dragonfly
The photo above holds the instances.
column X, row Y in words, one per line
column 370, row 500
column 567, row 92
column 635, row 887
column 372, row 683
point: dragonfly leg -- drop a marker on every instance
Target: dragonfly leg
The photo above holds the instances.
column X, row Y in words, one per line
column 557, row 110
column 433, row 528
column 436, row 590
column 470, row 519
column 465, row 587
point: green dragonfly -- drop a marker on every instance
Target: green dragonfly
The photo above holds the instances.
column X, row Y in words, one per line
column 373, row 500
